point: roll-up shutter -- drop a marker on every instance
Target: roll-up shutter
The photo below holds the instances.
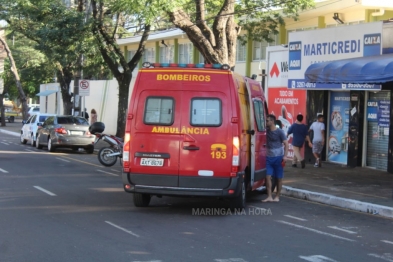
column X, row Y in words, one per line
column 377, row 138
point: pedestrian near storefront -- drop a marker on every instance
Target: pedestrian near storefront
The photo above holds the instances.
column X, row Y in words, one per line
column 299, row 133
column 318, row 140
column 275, row 156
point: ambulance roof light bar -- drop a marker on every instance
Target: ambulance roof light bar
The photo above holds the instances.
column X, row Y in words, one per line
column 201, row 65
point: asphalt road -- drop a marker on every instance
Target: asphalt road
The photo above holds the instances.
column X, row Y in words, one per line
column 65, row 206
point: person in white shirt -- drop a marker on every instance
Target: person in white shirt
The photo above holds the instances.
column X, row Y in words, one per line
column 318, row 140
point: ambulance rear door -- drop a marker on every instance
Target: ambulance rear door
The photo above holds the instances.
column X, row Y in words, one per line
column 206, row 147
column 156, row 138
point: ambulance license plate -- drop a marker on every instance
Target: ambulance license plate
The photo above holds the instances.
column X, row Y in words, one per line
column 152, row 162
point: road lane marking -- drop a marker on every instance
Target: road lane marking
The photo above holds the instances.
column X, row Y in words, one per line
column 317, row 258
column 341, row 229
column 387, row 242
column 386, row 256
column 4, row 171
column 84, row 162
column 298, row 218
column 230, row 260
column 314, row 230
column 125, row 230
column 5, row 143
column 28, row 150
column 62, row 159
column 115, row 170
column 107, row 173
column 44, row 190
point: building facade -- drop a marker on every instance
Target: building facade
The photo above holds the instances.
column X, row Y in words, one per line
column 357, row 119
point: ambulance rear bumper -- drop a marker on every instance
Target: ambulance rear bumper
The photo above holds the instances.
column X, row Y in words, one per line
column 232, row 187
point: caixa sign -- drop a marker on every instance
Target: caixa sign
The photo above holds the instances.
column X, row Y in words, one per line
column 372, row 110
column 295, row 55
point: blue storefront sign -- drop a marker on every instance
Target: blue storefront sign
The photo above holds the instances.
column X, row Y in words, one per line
column 383, row 113
column 372, row 110
column 302, row 84
column 379, row 111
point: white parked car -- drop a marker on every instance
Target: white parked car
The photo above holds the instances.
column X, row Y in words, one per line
column 30, row 126
column 33, row 110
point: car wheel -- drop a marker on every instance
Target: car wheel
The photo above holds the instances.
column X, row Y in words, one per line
column 32, row 142
column 37, row 143
column 239, row 202
column 89, row 149
column 141, row 200
column 51, row 148
column 22, row 140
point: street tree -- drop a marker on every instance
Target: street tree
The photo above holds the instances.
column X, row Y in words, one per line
column 214, row 26
column 110, row 19
column 14, row 70
column 60, row 33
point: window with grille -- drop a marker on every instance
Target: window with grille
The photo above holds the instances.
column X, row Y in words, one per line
column 167, row 54
column 185, row 53
column 240, row 52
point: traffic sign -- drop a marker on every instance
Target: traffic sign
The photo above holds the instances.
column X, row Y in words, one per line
column 84, row 87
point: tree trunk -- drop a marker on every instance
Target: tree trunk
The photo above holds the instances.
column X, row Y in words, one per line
column 65, row 77
column 2, row 110
column 14, row 70
column 216, row 44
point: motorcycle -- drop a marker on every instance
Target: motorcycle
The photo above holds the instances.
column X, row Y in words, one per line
column 107, row 156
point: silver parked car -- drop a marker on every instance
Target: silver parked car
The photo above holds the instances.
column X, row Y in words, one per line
column 62, row 131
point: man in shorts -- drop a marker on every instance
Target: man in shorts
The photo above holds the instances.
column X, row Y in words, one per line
column 276, row 156
column 318, row 140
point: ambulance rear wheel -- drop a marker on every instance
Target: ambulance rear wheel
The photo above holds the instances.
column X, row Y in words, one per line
column 141, row 200
column 239, row 202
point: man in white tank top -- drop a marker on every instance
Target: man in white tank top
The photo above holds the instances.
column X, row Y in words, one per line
column 318, row 140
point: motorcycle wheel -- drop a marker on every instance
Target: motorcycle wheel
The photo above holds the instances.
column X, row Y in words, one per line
column 104, row 159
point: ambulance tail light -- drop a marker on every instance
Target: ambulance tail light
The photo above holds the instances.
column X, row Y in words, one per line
column 126, row 152
column 235, row 155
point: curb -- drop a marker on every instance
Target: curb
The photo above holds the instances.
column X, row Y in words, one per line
column 351, row 204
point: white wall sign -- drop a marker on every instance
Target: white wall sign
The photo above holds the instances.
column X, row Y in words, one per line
column 277, row 66
column 84, row 87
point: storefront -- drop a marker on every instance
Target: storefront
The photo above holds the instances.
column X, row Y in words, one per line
column 357, row 80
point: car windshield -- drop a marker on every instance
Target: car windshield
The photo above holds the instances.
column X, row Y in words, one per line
column 72, row 120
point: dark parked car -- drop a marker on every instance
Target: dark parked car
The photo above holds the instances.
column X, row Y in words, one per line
column 62, row 131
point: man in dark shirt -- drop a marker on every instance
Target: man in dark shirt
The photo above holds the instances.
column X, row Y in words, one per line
column 85, row 115
column 300, row 134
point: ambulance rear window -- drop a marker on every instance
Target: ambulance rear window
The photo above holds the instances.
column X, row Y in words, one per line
column 259, row 115
column 159, row 110
column 206, row 112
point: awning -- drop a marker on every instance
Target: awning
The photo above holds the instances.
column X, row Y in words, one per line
column 369, row 69
column 46, row 93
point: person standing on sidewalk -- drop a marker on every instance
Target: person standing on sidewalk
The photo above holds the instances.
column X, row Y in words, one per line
column 275, row 156
column 318, row 140
column 300, row 134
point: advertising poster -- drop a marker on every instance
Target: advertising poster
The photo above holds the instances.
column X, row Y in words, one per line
column 340, row 111
column 286, row 104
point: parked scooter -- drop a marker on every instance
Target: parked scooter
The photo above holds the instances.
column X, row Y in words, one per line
column 107, row 155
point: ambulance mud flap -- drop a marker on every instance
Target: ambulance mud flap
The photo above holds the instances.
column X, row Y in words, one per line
column 239, row 201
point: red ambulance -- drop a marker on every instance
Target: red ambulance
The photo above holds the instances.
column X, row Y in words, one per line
column 194, row 130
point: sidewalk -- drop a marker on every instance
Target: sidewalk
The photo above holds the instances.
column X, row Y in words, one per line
column 360, row 189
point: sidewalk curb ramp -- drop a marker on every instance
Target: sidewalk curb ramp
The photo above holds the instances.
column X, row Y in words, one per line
column 351, row 204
